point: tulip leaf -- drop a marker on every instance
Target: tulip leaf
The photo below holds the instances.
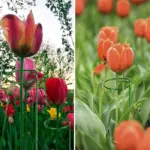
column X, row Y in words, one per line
column 145, row 111
column 89, row 122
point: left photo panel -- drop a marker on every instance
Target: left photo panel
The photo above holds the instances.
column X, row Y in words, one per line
column 37, row 74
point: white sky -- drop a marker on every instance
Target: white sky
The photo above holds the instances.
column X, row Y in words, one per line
column 51, row 26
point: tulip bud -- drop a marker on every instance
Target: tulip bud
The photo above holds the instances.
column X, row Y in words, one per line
column 136, row 2
column 105, row 6
column 56, row 89
column 80, row 4
column 123, row 8
column 139, row 27
column 10, row 120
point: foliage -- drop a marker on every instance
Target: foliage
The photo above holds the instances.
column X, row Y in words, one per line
column 61, row 9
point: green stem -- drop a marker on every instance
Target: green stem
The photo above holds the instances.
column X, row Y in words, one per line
column 117, row 107
column 57, row 127
column 36, row 118
column 22, row 106
column 123, row 100
column 69, row 138
column 25, row 112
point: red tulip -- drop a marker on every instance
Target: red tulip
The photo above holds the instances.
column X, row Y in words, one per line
column 108, row 32
column 70, row 117
column 120, row 57
column 147, row 30
column 56, row 89
column 3, row 96
column 127, row 135
column 105, row 6
column 24, row 37
column 123, row 8
column 80, row 4
column 41, row 96
column 139, row 27
column 27, row 76
column 9, row 110
column 144, row 143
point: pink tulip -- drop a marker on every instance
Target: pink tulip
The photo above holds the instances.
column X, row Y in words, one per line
column 27, row 75
column 3, row 96
column 24, row 37
column 70, row 117
column 41, row 96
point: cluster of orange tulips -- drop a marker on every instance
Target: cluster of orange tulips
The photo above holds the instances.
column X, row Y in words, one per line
column 118, row 56
column 129, row 135
column 123, row 7
column 142, row 28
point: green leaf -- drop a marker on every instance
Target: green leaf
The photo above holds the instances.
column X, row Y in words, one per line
column 145, row 111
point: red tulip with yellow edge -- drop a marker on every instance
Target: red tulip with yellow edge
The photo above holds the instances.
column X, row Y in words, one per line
column 105, row 6
column 24, row 37
column 127, row 135
column 108, row 32
column 103, row 47
column 144, row 143
column 123, row 8
column 147, row 30
column 139, row 27
column 120, row 57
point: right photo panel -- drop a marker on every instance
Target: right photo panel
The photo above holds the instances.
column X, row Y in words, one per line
column 112, row 107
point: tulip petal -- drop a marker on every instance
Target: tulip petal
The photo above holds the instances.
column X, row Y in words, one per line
column 13, row 29
column 29, row 29
column 98, row 69
column 129, row 58
column 113, row 59
column 37, row 40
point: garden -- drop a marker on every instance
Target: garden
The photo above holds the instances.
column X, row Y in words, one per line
column 112, row 75
column 36, row 79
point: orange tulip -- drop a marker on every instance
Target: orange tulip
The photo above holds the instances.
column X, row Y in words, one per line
column 144, row 144
column 103, row 47
column 80, row 4
column 24, row 38
column 123, row 8
column 108, row 32
column 105, row 6
column 136, row 2
column 120, row 57
column 127, row 135
column 147, row 30
column 139, row 27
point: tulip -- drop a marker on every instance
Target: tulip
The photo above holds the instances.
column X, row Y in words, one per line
column 127, row 135
column 144, row 143
column 53, row 113
column 70, row 117
column 24, row 37
column 56, row 89
column 10, row 120
column 80, row 4
column 27, row 76
column 147, row 30
column 123, row 8
column 3, row 96
column 108, row 32
column 139, row 27
column 120, row 57
column 105, row 6
column 136, row 2
column 9, row 110
column 41, row 96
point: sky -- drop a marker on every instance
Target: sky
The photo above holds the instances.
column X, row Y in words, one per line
column 51, row 26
